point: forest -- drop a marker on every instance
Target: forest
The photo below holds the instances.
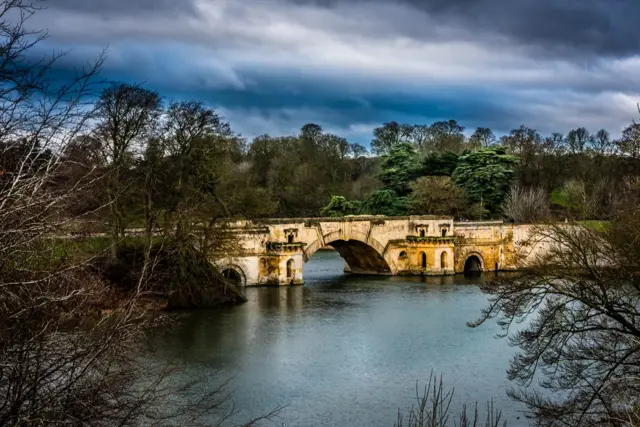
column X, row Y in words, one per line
column 159, row 162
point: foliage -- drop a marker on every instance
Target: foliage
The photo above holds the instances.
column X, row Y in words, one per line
column 576, row 198
column 295, row 175
column 385, row 202
column 438, row 137
column 399, row 168
column 388, row 136
column 299, row 173
column 559, row 197
column 447, row 136
column 521, row 140
column 339, row 206
column 486, row 175
column 183, row 276
column 437, row 195
column 439, row 164
column 577, row 140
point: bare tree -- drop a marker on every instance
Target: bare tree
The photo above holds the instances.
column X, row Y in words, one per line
column 602, row 144
column 583, row 341
column 552, row 160
column 482, row 137
column 433, row 409
column 578, row 140
column 127, row 115
column 191, row 134
column 629, row 144
column 437, row 195
column 70, row 345
column 527, row 205
column 577, row 198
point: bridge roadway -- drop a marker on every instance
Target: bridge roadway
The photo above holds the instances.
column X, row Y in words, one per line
column 274, row 251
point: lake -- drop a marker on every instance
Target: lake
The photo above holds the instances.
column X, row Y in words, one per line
column 346, row 350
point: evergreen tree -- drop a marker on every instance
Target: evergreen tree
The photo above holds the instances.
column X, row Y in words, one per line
column 486, row 175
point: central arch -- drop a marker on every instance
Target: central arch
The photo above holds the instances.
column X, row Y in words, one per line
column 362, row 256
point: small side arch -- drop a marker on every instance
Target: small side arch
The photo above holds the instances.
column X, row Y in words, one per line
column 291, row 265
column 234, row 274
column 474, row 263
column 444, row 260
column 423, row 260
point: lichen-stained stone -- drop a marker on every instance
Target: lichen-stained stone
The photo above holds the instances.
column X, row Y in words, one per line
column 273, row 251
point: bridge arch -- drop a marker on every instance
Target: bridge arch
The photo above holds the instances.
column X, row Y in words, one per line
column 234, row 274
column 444, row 260
column 362, row 255
column 291, row 265
column 473, row 263
column 423, row 260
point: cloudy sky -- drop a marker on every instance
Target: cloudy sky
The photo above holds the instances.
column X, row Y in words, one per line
column 269, row 66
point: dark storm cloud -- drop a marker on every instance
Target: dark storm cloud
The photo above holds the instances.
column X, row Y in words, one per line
column 591, row 27
column 545, row 27
column 349, row 65
column 121, row 7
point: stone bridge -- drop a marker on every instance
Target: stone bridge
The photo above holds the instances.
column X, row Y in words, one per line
column 274, row 251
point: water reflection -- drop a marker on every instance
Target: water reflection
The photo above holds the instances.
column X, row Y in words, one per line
column 280, row 298
column 346, row 350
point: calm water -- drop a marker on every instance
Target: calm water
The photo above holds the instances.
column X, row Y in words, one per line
column 344, row 350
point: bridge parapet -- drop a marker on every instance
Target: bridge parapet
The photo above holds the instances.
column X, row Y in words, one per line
column 274, row 251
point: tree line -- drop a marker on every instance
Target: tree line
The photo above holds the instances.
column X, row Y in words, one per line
column 176, row 164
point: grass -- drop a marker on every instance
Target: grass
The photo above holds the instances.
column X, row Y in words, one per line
column 596, row 225
column 561, row 198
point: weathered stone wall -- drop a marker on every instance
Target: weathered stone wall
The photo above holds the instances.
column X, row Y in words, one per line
column 491, row 242
column 274, row 251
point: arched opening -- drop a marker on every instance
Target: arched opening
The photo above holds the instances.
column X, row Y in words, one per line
column 232, row 276
column 290, row 238
column 290, row 266
column 422, row 233
column 402, row 256
column 473, row 264
column 360, row 257
column 443, row 260
column 423, row 260
column 444, row 232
